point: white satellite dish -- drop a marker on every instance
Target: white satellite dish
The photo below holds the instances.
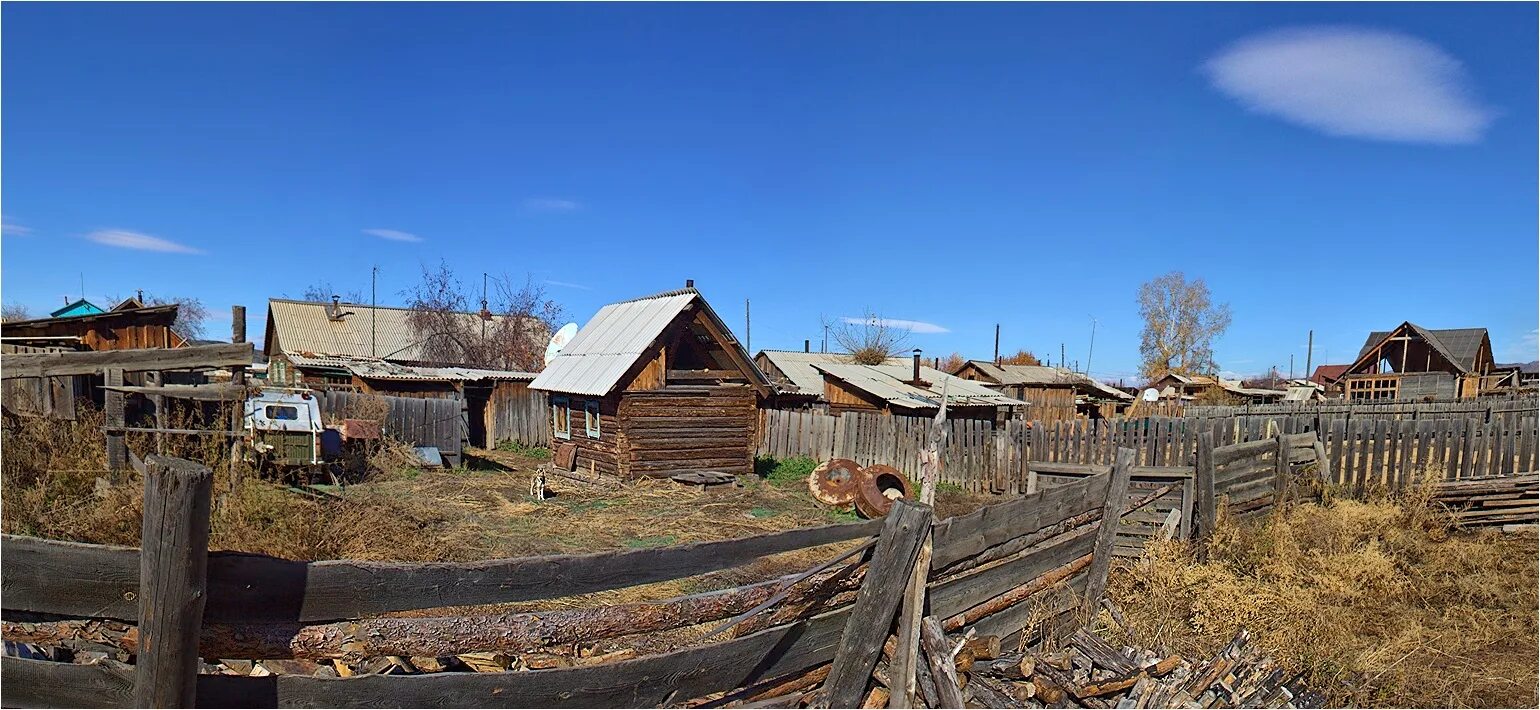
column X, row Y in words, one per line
column 558, row 341
column 1150, row 395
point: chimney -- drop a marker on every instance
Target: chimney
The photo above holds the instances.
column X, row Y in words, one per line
column 916, row 366
column 334, row 311
column 139, row 295
column 807, row 346
column 689, row 283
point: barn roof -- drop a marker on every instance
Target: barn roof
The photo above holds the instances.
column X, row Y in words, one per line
column 611, row 342
column 1460, row 346
column 799, row 367
column 384, row 332
column 890, row 383
column 1045, row 375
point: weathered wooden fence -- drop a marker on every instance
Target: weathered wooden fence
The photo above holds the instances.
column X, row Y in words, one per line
column 518, row 416
column 1009, row 570
column 419, row 421
column 1487, row 409
column 983, row 457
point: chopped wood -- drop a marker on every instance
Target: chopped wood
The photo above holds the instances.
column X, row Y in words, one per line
column 938, row 655
column 984, row 648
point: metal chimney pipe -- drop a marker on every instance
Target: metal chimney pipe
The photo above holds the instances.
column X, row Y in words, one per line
column 689, row 283
column 807, row 345
column 916, row 365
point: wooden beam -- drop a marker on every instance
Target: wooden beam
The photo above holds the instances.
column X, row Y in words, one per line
column 938, row 654
column 710, row 375
column 202, row 393
column 1112, row 512
column 1204, row 480
column 95, row 363
column 172, row 581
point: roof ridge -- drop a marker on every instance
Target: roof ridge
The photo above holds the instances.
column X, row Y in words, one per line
column 323, row 304
column 663, row 294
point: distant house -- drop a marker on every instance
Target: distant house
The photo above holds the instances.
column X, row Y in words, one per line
column 912, row 390
column 127, row 327
column 80, row 307
column 1410, row 362
column 1329, row 377
column 1209, row 389
column 655, row 386
column 1054, row 392
column 798, row 382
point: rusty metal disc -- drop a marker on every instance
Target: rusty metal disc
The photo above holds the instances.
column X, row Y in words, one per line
column 880, row 485
column 834, row 482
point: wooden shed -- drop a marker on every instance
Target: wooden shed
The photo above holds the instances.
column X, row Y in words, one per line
column 654, row 387
column 127, row 327
column 1055, row 393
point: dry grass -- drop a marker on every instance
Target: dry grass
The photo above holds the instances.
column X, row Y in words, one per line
column 1378, row 602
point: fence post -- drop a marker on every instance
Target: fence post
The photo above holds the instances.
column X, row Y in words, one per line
column 876, row 604
column 1112, row 512
column 1281, row 471
column 1203, row 479
column 117, row 447
column 173, row 567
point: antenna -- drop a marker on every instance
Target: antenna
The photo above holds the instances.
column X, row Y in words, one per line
column 1092, row 349
column 748, row 335
column 374, row 305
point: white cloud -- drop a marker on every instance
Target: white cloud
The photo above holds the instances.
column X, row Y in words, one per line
column 551, row 204
column 125, row 239
column 1524, row 349
column 566, row 284
column 394, row 235
column 1354, row 82
column 913, row 326
column 11, row 229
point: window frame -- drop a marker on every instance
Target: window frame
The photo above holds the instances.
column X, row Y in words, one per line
column 592, row 421
column 269, row 410
column 561, row 414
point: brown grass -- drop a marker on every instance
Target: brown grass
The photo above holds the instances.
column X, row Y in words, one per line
column 1378, row 602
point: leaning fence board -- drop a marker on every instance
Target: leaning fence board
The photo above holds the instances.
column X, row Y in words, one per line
column 957, row 595
column 14, row 365
column 92, row 580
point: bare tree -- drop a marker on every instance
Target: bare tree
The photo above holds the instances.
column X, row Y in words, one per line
column 12, row 312
column 1180, row 325
column 1020, row 357
column 509, row 334
column 870, row 339
column 323, row 291
column 191, row 315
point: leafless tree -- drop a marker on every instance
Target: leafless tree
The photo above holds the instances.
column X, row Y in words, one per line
column 869, row 340
column 510, row 334
column 12, row 312
column 323, row 291
column 192, row 316
column 1180, row 325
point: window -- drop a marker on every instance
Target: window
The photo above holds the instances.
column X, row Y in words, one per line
column 561, row 418
column 591, row 417
column 276, row 412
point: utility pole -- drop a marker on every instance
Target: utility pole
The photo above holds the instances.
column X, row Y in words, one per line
column 997, row 343
column 1091, row 350
column 748, row 335
column 1309, row 353
column 374, row 305
column 1061, row 354
column 484, row 311
column 825, row 347
column 1291, row 366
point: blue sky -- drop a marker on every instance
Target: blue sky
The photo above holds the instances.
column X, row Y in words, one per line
column 1341, row 167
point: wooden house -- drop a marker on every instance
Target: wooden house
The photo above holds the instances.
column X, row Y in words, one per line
column 798, row 382
column 1415, row 363
column 654, row 387
column 1055, row 393
column 130, row 326
column 912, row 390
column 1210, row 389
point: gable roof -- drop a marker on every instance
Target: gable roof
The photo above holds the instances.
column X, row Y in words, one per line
column 1327, row 374
column 611, row 342
column 1459, row 346
column 890, row 384
column 799, row 368
column 1044, row 375
column 79, row 307
column 303, row 328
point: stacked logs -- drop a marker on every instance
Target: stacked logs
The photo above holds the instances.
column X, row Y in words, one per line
column 1503, row 500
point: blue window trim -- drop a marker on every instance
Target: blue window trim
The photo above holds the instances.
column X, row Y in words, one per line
column 591, row 423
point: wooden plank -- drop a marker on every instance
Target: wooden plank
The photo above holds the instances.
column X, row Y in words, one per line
column 1468, row 448
column 172, row 581
column 117, row 447
column 871, row 618
column 967, row 535
column 1449, row 449
column 91, row 580
column 957, row 595
column 1203, row 480
column 13, row 365
column 1112, row 511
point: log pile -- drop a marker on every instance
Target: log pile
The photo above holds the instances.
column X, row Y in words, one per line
column 1088, row 672
column 1502, row 500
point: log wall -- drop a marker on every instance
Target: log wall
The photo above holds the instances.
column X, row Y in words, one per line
column 678, row 429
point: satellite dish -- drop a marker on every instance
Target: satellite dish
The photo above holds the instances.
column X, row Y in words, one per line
column 1150, row 395
column 560, row 340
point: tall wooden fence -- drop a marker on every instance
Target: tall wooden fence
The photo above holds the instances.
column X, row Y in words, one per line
column 982, row 457
column 998, row 571
column 1486, row 409
column 521, row 416
column 420, row 421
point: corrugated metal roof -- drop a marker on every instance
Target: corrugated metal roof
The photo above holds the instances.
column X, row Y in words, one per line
column 799, row 367
column 385, row 332
column 381, row 370
column 888, row 383
column 617, row 336
column 1045, row 375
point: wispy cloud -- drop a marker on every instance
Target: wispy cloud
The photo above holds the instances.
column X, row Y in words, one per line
column 11, row 229
column 1525, row 348
column 394, row 235
column 913, row 326
column 551, row 204
column 565, row 284
column 124, row 239
column 1357, row 82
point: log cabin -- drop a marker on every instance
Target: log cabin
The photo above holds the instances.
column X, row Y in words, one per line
column 912, row 390
column 654, row 387
column 798, row 381
column 1055, row 393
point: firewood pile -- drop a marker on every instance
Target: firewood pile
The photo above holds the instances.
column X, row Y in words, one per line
column 1503, row 500
column 1088, row 672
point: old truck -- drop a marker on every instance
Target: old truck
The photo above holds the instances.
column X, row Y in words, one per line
column 285, row 434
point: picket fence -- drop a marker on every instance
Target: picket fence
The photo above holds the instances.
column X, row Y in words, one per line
column 982, row 457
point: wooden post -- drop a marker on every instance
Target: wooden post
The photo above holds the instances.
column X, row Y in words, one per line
column 117, row 448
column 1112, row 512
column 237, row 324
column 173, row 566
column 876, row 603
column 904, row 665
column 1281, row 471
column 938, row 652
column 1203, row 479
